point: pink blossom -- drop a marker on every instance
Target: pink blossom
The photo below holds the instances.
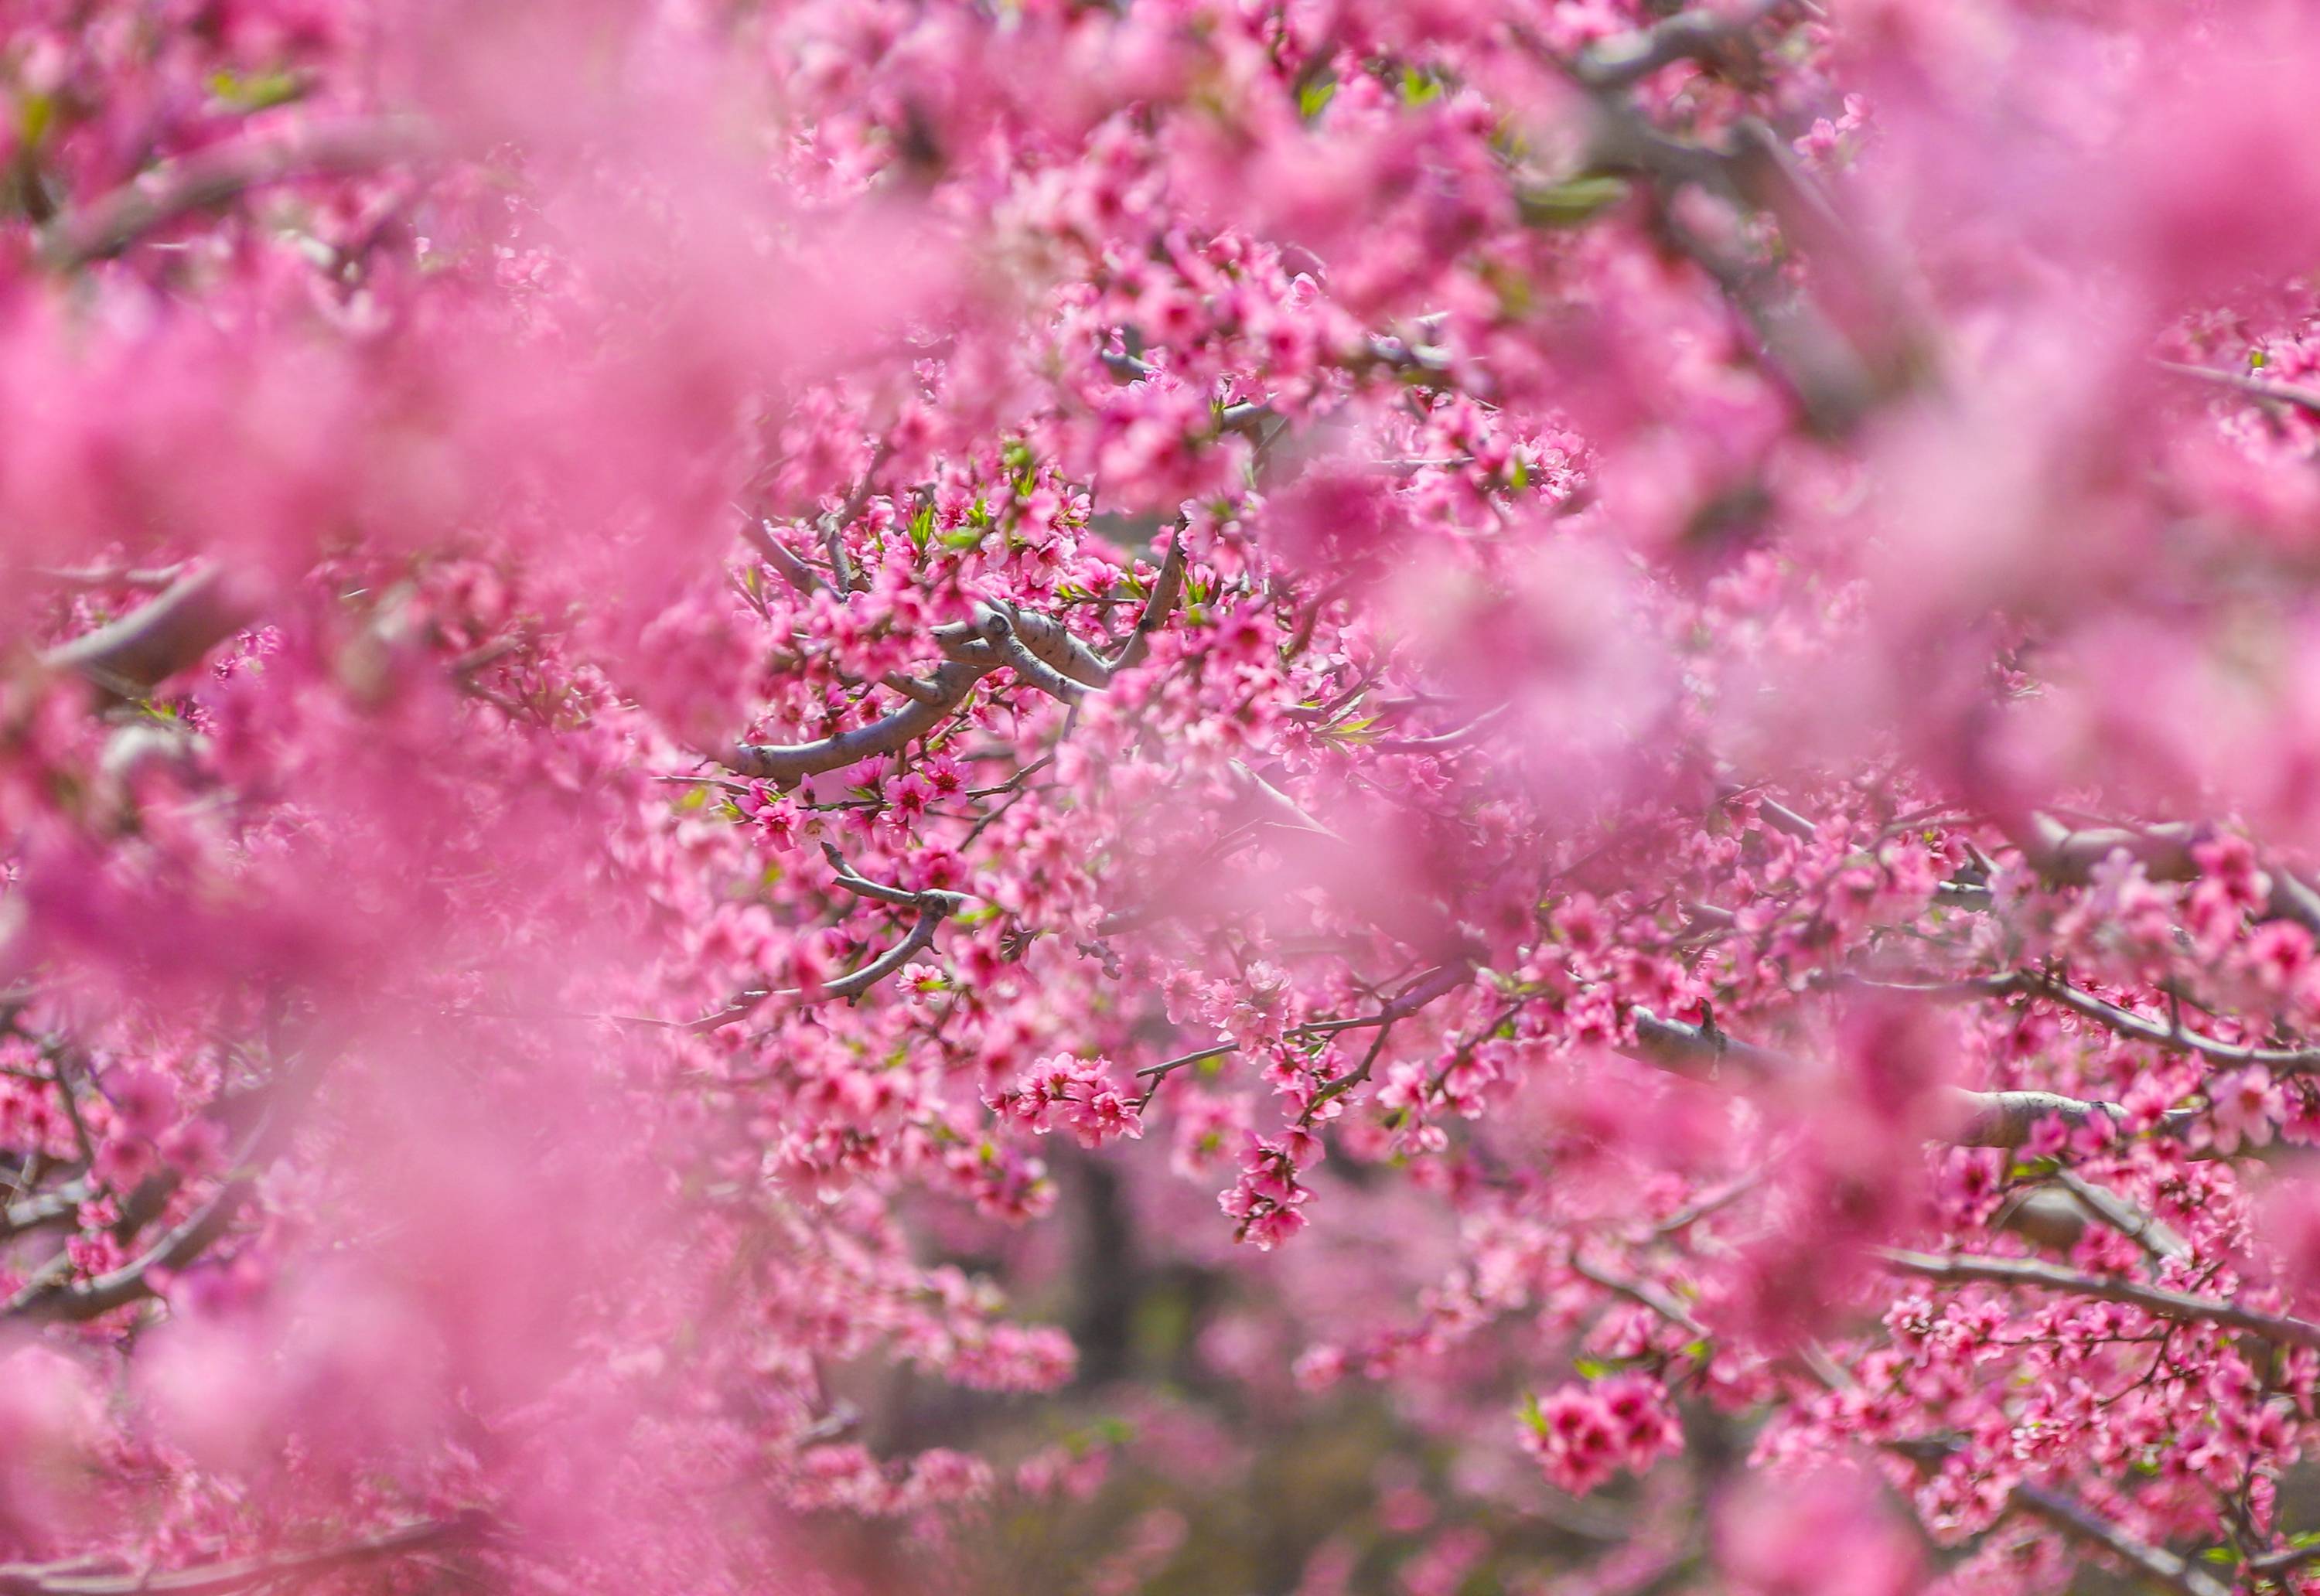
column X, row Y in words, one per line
column 2245, row 1106
column 1648, row 685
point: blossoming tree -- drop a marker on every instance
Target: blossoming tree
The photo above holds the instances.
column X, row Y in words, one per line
column 1630, row 695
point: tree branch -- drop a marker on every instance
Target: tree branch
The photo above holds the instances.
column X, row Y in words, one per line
column 218, row 1579
column 934, row 908
column 155, row 640
column 1987, row 1119
column 1039, row 649
column 2062, row 1512
column 948, row 684
column 2075, row 1520
column 110, row 224
column 1000, row 633
column 2256, row 388
column 1435, row 983
column 1690, row 35
column 794, row 570
column 1642, row 1294
column 1167, row 587
column 1048, row 639
column 863, row 887
column 2134, row 1027
column 2068, row 855
column 44, row 1297
column 2144, row 1230
column 2157, row 1301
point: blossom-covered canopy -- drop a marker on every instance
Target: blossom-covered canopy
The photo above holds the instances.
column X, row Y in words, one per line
column 720, row 718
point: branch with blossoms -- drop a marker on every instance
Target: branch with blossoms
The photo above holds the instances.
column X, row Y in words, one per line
column 2285, row 1330
column 933, row 908
column 220, row 1579
column 116, row 222
column 1982, row 1119
column 194, row 613
column 1038, row 649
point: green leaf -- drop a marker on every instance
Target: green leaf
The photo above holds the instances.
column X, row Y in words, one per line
column 1315, row 97
column 257, row 91
column 1569, row 203
column 1517, row 292
column 35, row 116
